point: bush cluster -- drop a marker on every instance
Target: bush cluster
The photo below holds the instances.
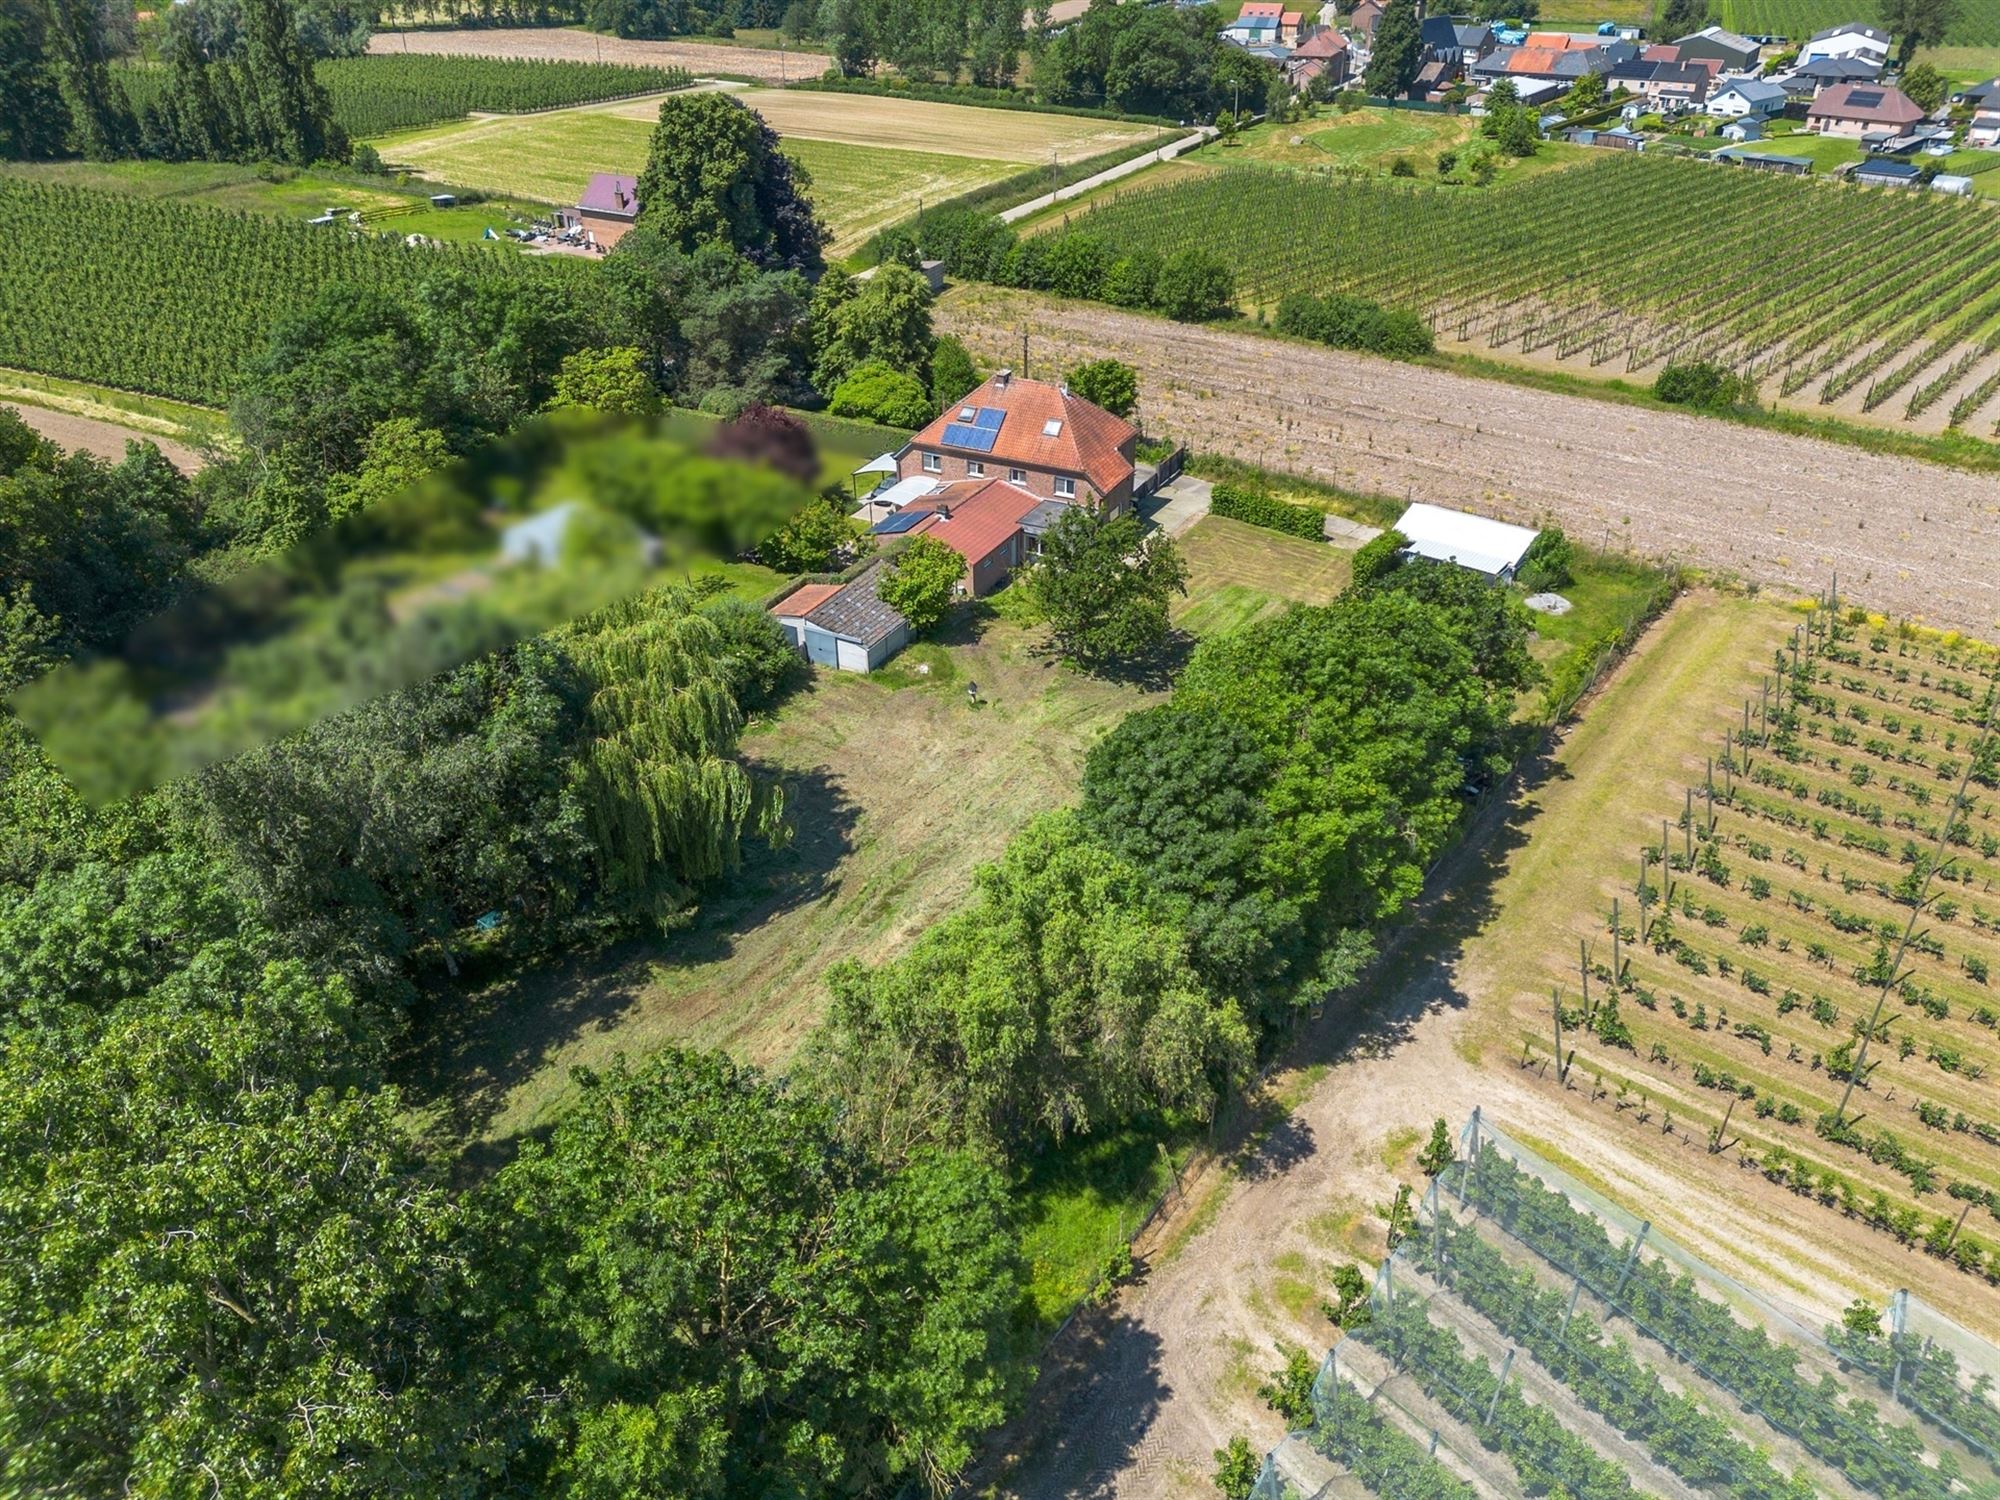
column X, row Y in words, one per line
column 1702, row 384
column 1355, row 323
column 1238, row 502
column 1189, row 284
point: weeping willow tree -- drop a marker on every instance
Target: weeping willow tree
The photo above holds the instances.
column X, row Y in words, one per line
column 666, row 803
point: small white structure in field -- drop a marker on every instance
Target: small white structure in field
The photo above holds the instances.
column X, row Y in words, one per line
column 1490, row 547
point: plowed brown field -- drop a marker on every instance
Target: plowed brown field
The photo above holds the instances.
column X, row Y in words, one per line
column 1906, row 537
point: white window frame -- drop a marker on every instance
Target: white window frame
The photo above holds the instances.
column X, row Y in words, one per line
column 1017, row 476
column 975, row 469
column 1065, row 487
column 932, row 464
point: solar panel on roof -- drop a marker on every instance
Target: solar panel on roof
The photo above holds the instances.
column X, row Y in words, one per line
column 899, row 523
column 964, row 435
column 989, row 416
column 1864, row 100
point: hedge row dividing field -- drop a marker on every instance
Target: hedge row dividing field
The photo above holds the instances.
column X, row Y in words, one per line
column 379, row 94
column 171, row 298
column 1743, row 960
column 1554, row 267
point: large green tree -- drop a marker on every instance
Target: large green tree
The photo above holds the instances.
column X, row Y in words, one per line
column 886, row 319
column 1061, row 1000
column 1104, row 586
column 101, row 126
column 715, row 174
column 725, row 1299
column 1916, row 23
column 33, row 116
column 1397, row 53
column 224, row 1268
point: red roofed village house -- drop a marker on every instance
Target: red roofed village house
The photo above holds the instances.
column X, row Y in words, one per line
column 1004, row 464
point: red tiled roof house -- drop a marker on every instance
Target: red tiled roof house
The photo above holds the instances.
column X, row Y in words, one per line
column 1035, row 435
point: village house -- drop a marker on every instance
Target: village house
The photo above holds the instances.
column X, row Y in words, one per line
column 1856, row 110
column 1366, row 14
column 1324, row 53
column 1747, row 98
column 1984, row 131
column 1034, row 434
column 1852, row 41
column 607, row 210
column 1669, row 87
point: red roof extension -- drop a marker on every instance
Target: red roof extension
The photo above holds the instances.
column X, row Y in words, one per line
column 1089, row 440
column 985, row 513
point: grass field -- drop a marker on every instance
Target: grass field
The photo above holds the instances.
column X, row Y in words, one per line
column 1239, row 573
column 148, row 414
column 1368, row 142
column 872, row 160
column 1976, row 24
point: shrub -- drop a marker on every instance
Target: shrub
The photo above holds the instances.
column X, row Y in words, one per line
column 920, row 582
column 1702, row 384
column 1130, row 280
column 953, row 374
column 1238, row 502
column 876, row 393
column 1546, row 564
column 1108, row 383
column 1355, row 323
column 1075, row 265
column 1402, row 166
column 1376, row 560
column 1193, row 286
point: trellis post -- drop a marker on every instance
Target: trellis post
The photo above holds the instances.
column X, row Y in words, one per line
column 1498, row 1386
column 1569, row 1312
column 1631, row 1259
column 1617, row 963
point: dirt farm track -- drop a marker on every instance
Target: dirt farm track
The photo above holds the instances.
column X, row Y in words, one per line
column 1908, row 538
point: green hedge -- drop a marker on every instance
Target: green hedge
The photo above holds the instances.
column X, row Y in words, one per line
column 1237, row 502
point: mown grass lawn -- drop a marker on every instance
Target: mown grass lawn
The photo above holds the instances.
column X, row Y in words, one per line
column 1239, row 573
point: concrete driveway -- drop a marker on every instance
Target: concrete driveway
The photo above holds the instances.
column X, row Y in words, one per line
column 1177, row 506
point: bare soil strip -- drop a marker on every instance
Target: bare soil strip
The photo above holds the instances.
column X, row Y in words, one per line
column 106, row 439
column 1910, row 538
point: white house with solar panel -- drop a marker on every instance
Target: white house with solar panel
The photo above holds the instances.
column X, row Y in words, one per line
column 1493, row 548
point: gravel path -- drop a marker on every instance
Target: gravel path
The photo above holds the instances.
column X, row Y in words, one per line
column 563, row 43
column 1908, row 538
column 105, row 439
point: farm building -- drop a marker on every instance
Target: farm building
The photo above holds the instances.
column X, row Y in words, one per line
column 607, row 210
column 1886, row 172
column 1952, row 183
column 1747, row 98
column 1784, row 166
column 1736, row 53
column 1853, row 109
column 1033, row 434
column 1852, row 40
column 1748, row 129
column 1493, row 548
column 845, row 626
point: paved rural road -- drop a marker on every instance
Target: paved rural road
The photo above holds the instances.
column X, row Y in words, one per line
column 105, row 439
column 1907, row 538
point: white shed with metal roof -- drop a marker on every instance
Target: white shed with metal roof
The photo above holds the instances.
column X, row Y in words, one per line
column 1490, row 547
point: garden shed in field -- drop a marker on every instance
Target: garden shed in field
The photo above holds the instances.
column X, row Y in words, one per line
column 845, row 626
column 1490, row 547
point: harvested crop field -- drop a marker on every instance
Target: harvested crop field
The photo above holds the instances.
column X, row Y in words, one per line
column 702, row 58
column 105, row 439
column 1910, row 538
